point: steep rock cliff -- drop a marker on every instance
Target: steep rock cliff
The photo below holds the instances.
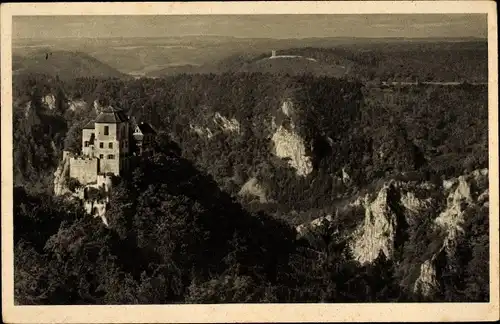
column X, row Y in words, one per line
column 465, row 191
column 426, row 283
column 461, row 193
column 376, row 233
column 398, row 208
column 61, row 176
column 289, row 145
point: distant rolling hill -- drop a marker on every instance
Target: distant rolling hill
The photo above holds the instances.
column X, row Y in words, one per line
column 282, row 64
column 364, row 59
column 389, row 59
column 65, row 64
column 294, row 65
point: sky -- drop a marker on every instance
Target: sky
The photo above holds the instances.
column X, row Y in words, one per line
column 261, row 26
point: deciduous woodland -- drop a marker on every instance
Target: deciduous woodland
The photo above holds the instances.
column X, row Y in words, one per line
column 263, row 188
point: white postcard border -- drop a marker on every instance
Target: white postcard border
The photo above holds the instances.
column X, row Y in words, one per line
column 245, row 312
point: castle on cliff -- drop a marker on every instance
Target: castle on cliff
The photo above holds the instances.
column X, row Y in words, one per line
column 109, row 143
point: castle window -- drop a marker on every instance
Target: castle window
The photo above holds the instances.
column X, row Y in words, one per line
column 106, row 130
column 86, row 143
column 101, row 156
column 111, row 157
column 101, row 145
column 110, row 145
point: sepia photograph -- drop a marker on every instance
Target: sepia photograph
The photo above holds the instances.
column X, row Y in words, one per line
column 192, row 157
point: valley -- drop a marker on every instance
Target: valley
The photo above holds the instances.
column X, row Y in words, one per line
column 390, row 59
column 349, row 170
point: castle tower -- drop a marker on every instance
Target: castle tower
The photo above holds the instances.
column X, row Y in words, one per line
column 273, row 53
column 88, row 139
column 111, row 143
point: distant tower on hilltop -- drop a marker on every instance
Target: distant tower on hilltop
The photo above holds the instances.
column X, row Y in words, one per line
column 273, row 53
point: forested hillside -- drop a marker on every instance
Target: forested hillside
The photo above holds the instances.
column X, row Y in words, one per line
column 64, row 64
column 367, row 61
column 361, row 59
column 407, row 61
column 242, row 160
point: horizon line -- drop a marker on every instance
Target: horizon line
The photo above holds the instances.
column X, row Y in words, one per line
column 245, row 37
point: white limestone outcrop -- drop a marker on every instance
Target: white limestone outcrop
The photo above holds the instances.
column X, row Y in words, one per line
column 226, row 124
column 318, row 223
column 405, row 202
column 203, row 132
column 289, row 145
column 426, row 284
column 376, row 233
column 61, row 176
column 459, row 197
column 76, row 104
column 50, row 101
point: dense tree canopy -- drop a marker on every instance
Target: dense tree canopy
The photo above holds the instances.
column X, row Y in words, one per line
column 169, row 242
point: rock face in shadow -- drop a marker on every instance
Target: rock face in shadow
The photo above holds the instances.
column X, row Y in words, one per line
column 462, row 194
column 252, row 188
column 61, row 176
column 399, row 208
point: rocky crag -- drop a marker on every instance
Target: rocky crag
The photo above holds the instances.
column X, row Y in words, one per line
column 398, row 208
column 64, row 186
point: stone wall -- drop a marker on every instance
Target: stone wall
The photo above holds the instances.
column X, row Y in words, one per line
column 84, row 169
column 86, row 135
column 110, row 165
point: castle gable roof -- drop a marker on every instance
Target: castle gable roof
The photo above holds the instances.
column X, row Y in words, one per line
column 89, row 125
column 111, row 115
column 145, row 128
